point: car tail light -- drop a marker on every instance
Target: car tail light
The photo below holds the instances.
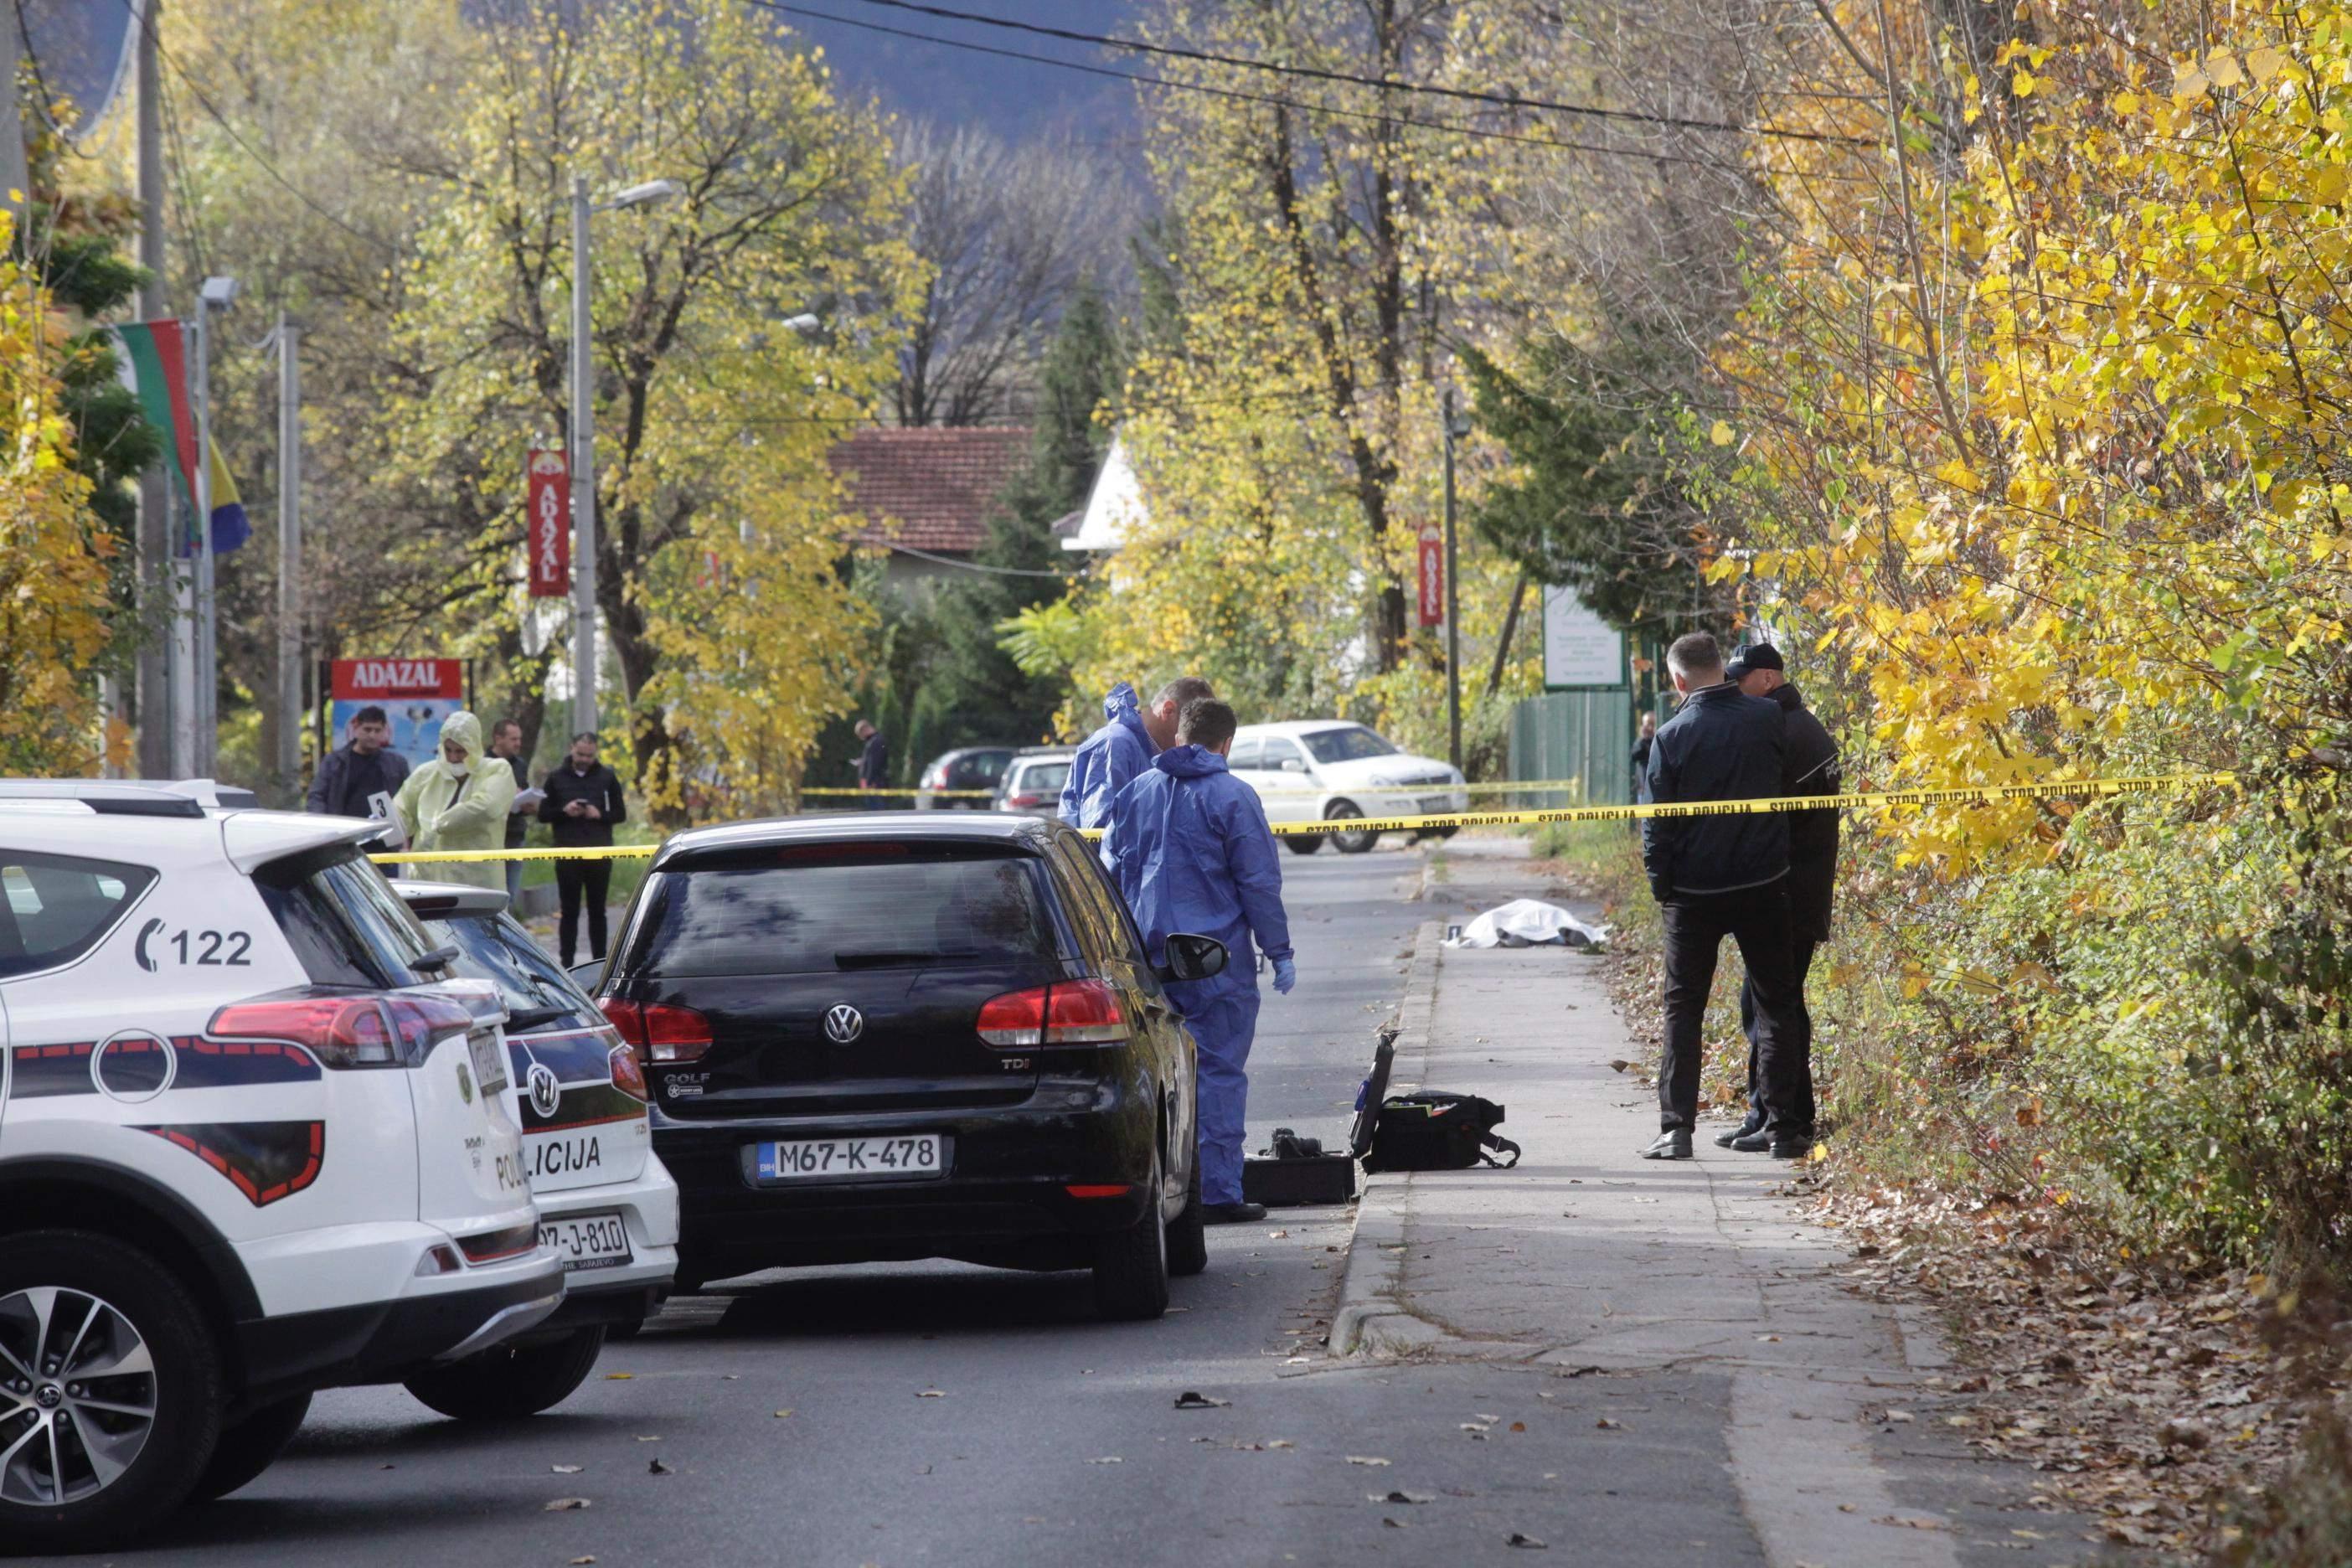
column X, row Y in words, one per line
column 1027, row 800
column 660, row 1033
column 347, row 1031
column 628, row 1076
column 491, row 1246
column 1072, row 1012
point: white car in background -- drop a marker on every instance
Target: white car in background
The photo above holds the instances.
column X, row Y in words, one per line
column 1329, row 769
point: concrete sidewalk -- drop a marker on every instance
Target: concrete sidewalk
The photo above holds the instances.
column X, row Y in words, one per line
column 1588, row 1261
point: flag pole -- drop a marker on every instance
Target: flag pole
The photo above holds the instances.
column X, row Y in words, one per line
column 157, row 730
column 290, row 559
column 207, row 740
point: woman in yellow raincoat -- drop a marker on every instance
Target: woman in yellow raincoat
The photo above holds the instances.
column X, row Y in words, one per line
column 459, row 801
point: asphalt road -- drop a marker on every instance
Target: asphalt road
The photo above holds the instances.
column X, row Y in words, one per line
column 938, row 1414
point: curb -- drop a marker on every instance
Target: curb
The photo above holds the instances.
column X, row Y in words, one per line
column 1370, row 1320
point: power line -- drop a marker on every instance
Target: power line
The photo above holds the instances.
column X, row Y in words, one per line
column 966, row 565
column 1145, row 79
column 1315, row 73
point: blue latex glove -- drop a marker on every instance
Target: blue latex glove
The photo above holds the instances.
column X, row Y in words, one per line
column 1285, row 974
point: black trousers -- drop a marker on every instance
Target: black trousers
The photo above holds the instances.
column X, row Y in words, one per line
column 1758, row 919
column 574, row 879
column 1801, row 951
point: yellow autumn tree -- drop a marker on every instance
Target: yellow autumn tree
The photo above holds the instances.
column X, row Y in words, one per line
column 53, row 574
column 1319, row 258
column 732, row 636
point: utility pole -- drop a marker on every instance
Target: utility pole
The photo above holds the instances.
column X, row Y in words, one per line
column 14, row 174
column 1453, row 605
column 288, row 760
column 155, row 679
column 584, row 475
column 200, row 550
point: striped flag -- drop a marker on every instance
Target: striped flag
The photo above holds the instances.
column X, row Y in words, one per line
column 153, row 364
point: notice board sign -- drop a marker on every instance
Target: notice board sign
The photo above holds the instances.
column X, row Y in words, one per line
column 1580, row 650
column 415, row 695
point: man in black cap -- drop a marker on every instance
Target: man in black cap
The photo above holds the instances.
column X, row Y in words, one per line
column 1809, row 766
column 1719, row 873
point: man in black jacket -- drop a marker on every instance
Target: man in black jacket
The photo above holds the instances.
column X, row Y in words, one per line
column 583, row 800
column 873, row 759
column 1809, row 767
column 1718, row 874
column 354, row 776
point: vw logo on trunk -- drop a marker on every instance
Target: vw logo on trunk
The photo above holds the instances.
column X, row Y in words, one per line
column 546, row 1094
column 843, row 1023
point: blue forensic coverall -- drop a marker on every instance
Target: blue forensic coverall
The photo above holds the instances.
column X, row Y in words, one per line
column 1190, row 849
column 1107, row 761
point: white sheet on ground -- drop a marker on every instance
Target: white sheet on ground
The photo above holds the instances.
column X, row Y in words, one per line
column 1529, row 923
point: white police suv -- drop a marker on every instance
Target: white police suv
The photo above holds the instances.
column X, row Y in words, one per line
column 605, row 1203
column 252, row 1143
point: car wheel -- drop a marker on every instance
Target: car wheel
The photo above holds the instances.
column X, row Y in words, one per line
column 1188, row 1238
column 1131, row 1266
column 249, row 1445
column 505, row 1384
column 109, row 1392
column 1349, row 843
column 1302, row 843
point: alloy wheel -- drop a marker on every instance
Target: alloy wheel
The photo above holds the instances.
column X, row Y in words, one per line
column 77, row 1395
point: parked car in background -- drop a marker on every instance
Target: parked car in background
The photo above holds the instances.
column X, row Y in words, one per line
column 605, row 1203
column 253, row 1142
column 966, row 768
column 1331, row 770
column 1034, row 780
column 907, row 1036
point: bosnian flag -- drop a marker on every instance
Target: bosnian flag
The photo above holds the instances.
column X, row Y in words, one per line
column 153, row 364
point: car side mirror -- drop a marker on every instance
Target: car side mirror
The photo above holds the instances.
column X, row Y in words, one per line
column 1192, row 957
column 1292, row 765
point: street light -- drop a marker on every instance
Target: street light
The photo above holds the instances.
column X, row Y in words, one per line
column 583, row 436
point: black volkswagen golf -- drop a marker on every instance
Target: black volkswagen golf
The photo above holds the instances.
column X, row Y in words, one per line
column 901, row 1036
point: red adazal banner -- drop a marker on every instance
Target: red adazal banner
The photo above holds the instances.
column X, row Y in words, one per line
column 548, row 504
column 1432, row 576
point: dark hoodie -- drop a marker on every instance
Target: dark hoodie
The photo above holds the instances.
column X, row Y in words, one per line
column 1809, row 767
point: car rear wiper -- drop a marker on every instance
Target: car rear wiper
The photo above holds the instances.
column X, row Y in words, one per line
column 531, row 1018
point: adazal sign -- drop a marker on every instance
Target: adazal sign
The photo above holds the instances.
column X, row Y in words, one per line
column 415, row 695
column 1433, row 577
column 547, row 505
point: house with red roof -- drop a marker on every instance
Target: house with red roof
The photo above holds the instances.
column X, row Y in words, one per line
column 927, row 494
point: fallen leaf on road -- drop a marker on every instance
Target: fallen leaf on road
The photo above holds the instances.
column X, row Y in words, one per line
column 731, row 1377
column 565, row 1469
column 1365, row 1459
column 659, row 1469
column 619, row 1376
column 649, row 1437
column 1912, row 1521
column 781, row 1415
column 1518, row 1425
column 1473, row 1426
column 566, row 1505
column 1606, row 1424
column 1482, row 1415
column 1399, row 1497
column 1900, row 1415
column 1529, row 1541
column 1393, row 1523
column 1192, row 1400
column 1275, row 1235
column 1619, row 1064
column 582, row 1562
column 1282, row 1443
column 1107, row 1459
column 932, row 1393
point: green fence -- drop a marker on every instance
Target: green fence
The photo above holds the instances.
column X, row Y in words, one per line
column 1582, row 735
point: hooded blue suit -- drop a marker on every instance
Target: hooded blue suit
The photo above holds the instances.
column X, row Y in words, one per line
column 1189, row 845
column 1108, row 760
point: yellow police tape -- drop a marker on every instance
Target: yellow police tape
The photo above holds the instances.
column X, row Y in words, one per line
column 940, row 794
column 2098, row 789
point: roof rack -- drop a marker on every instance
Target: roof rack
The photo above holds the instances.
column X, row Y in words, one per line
column 132, row 798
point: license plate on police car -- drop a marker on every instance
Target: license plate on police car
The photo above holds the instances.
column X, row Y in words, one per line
column 490, row 1059
column 851, row 1159
column 1435, row 804
column 587, row 1240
